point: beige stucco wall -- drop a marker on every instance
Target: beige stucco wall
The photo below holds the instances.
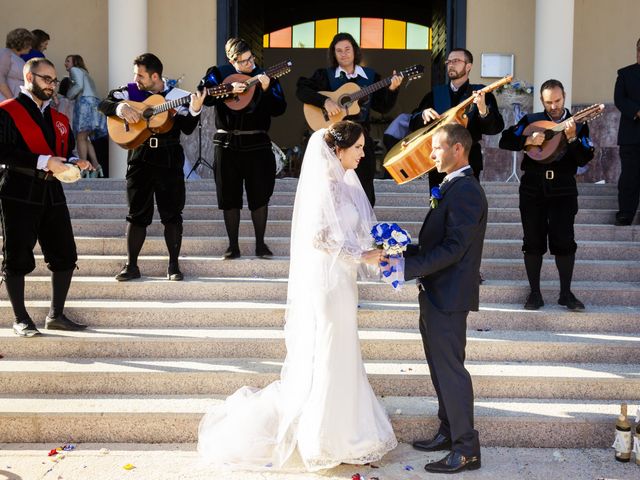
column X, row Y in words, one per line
column 75, row 26
column 502, row 26
column 183, row 36
column 605, row 36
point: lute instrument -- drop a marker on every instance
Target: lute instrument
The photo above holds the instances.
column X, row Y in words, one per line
column 411, row 157
column 238, row 101
column 347, row 97
column 554, row 145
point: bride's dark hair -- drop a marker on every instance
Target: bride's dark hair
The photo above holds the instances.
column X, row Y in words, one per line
column 342, row 134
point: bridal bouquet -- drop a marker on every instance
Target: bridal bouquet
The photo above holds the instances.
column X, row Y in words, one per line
column 393, row 240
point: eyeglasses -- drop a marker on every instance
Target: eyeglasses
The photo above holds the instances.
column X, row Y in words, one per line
column 47, row 79
column 454, row 61
column 246, row 61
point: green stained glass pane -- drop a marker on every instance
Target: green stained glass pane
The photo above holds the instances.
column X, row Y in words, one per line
column 350, row 25
column 304, row 35
column 417, row 37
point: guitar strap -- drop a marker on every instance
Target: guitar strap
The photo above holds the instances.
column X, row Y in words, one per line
column 32, row 133
column 442, row 96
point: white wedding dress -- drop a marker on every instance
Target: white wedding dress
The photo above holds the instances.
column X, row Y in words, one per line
column 323, row 405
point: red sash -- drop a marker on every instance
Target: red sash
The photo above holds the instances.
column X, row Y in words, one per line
column 32, row 133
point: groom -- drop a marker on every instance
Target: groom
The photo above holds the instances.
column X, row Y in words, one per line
column 446, row 264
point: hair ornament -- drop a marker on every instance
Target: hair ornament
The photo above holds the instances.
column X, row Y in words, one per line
column 336, row 135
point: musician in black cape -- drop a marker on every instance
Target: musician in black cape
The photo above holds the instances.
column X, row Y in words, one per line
column 549, row 194
column 344, row 57
column 242, row 147
column 155, row 168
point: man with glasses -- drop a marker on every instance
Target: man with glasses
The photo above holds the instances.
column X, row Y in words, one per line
column 344, row 56
column 627, row 98
column 485, row 119
column 242, row 147
column 35, row 145
column 155, row 168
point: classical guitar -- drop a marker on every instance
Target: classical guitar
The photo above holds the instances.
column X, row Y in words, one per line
column 554, row 144
column 347, row 97
column 155, row 118
column 239, row 101
column 411, row 157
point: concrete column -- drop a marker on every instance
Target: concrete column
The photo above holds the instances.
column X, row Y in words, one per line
column 127, row 40
column 553, row 56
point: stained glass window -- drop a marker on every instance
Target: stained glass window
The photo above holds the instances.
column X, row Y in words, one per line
column 368, row 32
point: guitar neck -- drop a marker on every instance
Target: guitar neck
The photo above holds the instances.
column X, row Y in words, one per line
column 171, row 104
column 271, row 72
column 582, row 116
column 487, row 89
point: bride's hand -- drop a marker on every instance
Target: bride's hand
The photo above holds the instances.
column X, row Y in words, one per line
column 372, row 257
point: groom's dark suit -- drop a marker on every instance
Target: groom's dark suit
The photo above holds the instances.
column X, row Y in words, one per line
column 447, row 265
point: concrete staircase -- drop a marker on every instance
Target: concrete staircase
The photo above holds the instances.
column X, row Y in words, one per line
column 159, row 352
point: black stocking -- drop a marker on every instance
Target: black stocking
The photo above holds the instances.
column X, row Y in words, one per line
column 135, row 238
column 565, row 269
column 60, row 282
column 173, row 239
column 259, row 219
column 533, row 264
column 15, row 292
column 232, row 224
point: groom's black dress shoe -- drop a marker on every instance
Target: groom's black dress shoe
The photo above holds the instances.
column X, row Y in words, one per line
column 454, row 462
column 439, row 442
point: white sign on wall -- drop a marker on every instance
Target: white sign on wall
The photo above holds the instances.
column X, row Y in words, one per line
column 496, row 65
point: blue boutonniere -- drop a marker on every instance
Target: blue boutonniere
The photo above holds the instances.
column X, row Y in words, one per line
column 435, row 196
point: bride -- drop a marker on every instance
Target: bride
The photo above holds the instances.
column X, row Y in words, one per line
column 323, row 405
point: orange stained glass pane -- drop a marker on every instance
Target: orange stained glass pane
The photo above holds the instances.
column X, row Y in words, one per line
column 281, row 38
column 371, row 32
column 325, row 31
column 395, row 34
column 265, row 40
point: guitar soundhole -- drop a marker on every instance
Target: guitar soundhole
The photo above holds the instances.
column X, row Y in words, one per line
column 404, row 174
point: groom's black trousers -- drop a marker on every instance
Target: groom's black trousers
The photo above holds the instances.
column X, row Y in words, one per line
column 444, row 336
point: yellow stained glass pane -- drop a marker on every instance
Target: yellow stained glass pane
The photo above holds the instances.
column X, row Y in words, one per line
column 371, row 33
column 395, row 34
column 265, row 40
column 325, row 31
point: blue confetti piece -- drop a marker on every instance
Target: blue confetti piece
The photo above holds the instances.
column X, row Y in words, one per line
column 408, row 468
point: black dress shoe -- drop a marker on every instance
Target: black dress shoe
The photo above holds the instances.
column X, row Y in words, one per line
column 622, row 221
column 232, row 252
column 439, row 442
column 127, row 273
column 454, row 462
column 263, row 251
column 62, row 323
column 25, row 328
column 534, row 301
column 570, row 301
column 174, row 273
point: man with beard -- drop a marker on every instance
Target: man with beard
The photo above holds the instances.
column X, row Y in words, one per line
column 155, row 167
column 485, row 119
column 344, row 56
column 549, row 195
column 35, row 144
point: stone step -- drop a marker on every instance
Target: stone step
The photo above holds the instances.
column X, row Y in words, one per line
column 282, row 228
column 258, row 289
column 376, row 344
column 371, row 315
column 383, row 213
column 278, row 267
column 215, row 246
column 386, row 199
column 223, row 376
column 381, row 186
column 161, row 419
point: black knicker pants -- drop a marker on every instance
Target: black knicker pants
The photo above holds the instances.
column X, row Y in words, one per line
column 23, row 224
column 144, row 181
column 255, row 169
column 548, row 217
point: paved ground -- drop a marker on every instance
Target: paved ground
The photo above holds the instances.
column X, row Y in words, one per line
column 173, row 462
